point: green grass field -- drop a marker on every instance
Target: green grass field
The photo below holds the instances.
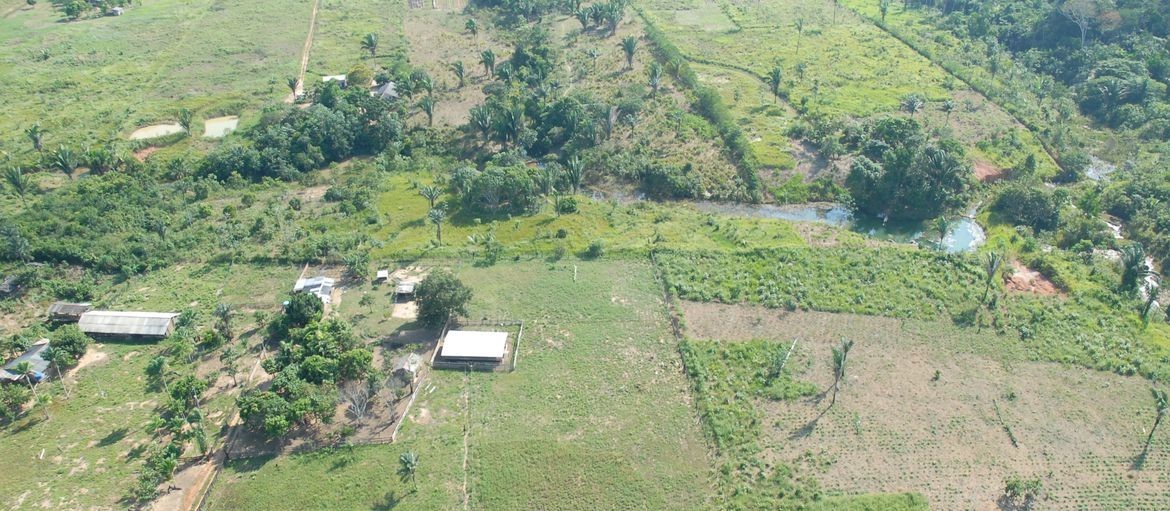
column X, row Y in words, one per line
column 596, row 414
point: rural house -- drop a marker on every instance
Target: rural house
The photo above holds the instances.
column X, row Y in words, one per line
column 472, row 346
column 128, row 325
column 34, row 356
column 322, row 287
column 64, row 312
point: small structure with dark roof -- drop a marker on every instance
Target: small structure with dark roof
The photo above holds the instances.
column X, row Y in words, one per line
column 128, row 325
column 64, row 312
column 37, row 364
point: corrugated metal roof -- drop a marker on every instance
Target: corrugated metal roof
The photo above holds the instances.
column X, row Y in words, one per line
column 474, row 345
column 69, row 309
column 156, row 324
column 33, row 357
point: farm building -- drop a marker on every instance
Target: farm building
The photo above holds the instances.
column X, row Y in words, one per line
column 472, row 346
column 404, row 289
column 341, row 80
column 321, row 287
column 128, row 325
column 382, row 276
column 64, row 312
column 35, row 359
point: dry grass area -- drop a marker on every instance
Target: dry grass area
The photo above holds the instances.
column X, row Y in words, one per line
column 934, row 409
column 437, row 39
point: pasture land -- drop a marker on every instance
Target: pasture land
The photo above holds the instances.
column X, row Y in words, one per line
column 596, row 414
column 946, row 412
column 96, row 80
column 834, row 63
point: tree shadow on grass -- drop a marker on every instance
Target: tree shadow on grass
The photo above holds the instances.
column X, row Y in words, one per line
column 114, row 437
column 389, row 501
column 805, row 430
column 251, row 464
column 1139, row 461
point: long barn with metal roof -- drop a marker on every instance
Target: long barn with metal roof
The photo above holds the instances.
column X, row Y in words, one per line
column 128, row 325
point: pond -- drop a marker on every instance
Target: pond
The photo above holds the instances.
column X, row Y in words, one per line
column 963, row 235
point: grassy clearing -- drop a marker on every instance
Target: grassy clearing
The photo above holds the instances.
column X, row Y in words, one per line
column 596, row 414
column 341, row 25
column 98, row 79
column 933, row 408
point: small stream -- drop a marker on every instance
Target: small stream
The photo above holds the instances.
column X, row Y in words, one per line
column 964, row 234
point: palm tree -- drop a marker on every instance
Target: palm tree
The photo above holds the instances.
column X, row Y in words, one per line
column 574, row 171
column 20, row 183
column 436, row 216
column 481, row 120
column 991, row 265
column 431, row 193
column 292, row 83
column 488, row 59
column 460, row 72
column 36, row 135
column 654, row 72
column 472, row 27
column 775, row 78
column 407, row 467
column 64, row 159
column 799, row 26
column 1134, row 267
column 840, row 357
column 948, row 106
column 582, row 16
column 159, row 367
column 427, row 104
column 185, row 120
column 629, row 45
column 100, row 159
column 884, row 7
column 912, row 103
column 942, row 226
column 25, row 369
column 1148, row 305
column 1161, row 404
column 370, row 44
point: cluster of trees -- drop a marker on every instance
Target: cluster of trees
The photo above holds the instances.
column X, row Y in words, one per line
column 289, row 140
column 75, row 9
column 316, row 355
column 606, row 14
column 67, row 344
column 900, row 173
column 1110, row 56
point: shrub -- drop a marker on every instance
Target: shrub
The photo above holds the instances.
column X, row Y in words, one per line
column 596, row 249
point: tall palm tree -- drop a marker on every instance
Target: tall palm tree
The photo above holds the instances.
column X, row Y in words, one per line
column 948, row 107
column 574, row 171
column 1133, row 266
column 481, row 120
column 884, row 7
column 20, row 183
column 460, row 72
column 472, row 27
column 775, row 79
column 488, row 59
column 991, row 264
column 436, row 216
column 159, row 367
column 36, row 135
column 629, row 45
column 408, row 467
column 427, row 104
column 370, row 44
column 840, row 358
column 912, row 103
column 799, row 26
column 654, row 75
column 185, row 117
column 431, row 193
column 24, row 369
column 64, row 159
column 292, row 83
column 942, row 226
column 1148, row 304
column 1161, row 406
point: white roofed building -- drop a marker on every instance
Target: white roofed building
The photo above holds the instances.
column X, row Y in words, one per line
column 472, row 346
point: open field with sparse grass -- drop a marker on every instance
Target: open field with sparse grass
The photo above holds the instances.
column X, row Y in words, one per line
column 96, row 80
column 948, row 412
column 595, row 415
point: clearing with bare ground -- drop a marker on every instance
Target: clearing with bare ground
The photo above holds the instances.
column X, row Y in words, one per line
column 934, row 409
column 1023, row 279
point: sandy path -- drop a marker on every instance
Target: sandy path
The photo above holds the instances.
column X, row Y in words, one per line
column 305, row 55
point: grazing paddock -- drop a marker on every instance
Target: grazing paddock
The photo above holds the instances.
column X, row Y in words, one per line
column 949, row 413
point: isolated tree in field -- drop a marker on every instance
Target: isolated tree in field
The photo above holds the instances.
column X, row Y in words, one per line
column 1134, row 269
column 1148, row 304
column 948, row 107
column 1161, row 406
column 292, row 83
column 884, row 7
column 370, row 44
column 36, row 135
column 991, row 264
column 18, row 182
column 460, row 72
column 472, row 27
column 431, row 194
column 65, row 160
column 654, row 74
column 912, row 104
column 185, row 117
column 159, row 370
column 223, row 320
column 427, row 105
column 799, row 26
column 436, row 216
column 629, row 45
column 230, row 358
column 840, row 358
column 441, row 295
column 407, row 467
column 488, row 59
column 775, row 79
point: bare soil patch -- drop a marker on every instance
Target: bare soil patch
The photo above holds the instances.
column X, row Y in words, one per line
column 1026, row 280
column 144, row 153
column 987, row 172
column 92, row 356
column 924, row 409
